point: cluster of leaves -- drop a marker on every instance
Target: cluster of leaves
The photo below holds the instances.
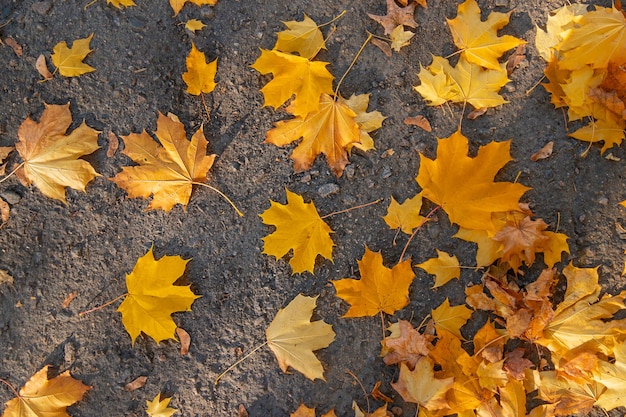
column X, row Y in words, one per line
column 586, row 55
column 327, row 123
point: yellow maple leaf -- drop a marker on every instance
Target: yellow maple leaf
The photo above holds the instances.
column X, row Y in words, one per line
column 69, row 61
column 488, row 249
column 194, row 25
column 465, row 83
column 610, row 132
column 558, row 22
column 478, row 40
column 177, row 5
column 451, row 318
column 200, row 75
column 400, row 37
column 421, row 386
column 303, row 411
column 598, row 38
column 328, row 131
column 367, row 121
column 303, row 37
column 298, row 227
column 405, row 216
column 41, row 396
column 464, row 186
column 167, row 171
column 120, row 3
column 380, row 289
column 294, row 75
column 152, row 297
column 293, row 337
column 612, row 374
column 444, row 267
column 160, row 407
column 50, row 157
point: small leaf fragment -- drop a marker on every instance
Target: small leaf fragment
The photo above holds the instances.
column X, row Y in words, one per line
column 159, row 407
column 543, row 153
column 5, row 277
column 419, row 121
column 121, row 3
column 194, row 25
column 200, row 75
column 185, row 340
column 42, row 67
column 177, row 5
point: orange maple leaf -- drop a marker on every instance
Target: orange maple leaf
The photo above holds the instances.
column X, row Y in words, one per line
column 380, row 289
column 464, row 186
column 407, row 346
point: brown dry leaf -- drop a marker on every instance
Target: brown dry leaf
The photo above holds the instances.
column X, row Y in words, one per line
column 114, row 143
column 516, row 58
column 476, row 113
column 383, row 46
column 396, row 16
column 380, row 289
column 378, row 395
column 5, row 277
column 51, row 158
column 419, row 121
column 17, row 48
column 5, row 212
column 135, row 384
column 42, row 68
column 477, row 299
column 185, row 340
column 543, row 153
column 41, row 396
column 516, row 365
column 242, row 411
column 408, row 347
column 522, row 238
column 5, row 151
column 69, row 299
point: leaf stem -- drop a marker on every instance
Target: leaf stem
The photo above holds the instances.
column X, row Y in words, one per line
column 382, row 38
column 369, row 37
column 12, row 172
column 428, row 216
column 221, row 194
column 334, row 19
column 10, row 387
column 230, row 368
column 349, row 372
column 382, row 322
column 89, row 4
column 206, row 109
column 352, row 208
column 108, row 303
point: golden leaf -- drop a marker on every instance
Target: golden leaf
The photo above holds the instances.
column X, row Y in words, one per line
column 400, row 37
column 41, row 396
column 328, row 131
column 478, row 40
column 421, row 386
column 380, row 289
column 194, row 25
column 294, row 75
column 50, row 157
column 159, row 407
column 444, row 267
column 166, row 171
column 69, row 61
column 367, row 121
column 303, row 37
column 177, row 5
column 153, row 297
column 405, row 216
column 451, row 318
column 200, row 76
column 120, row 3
column 407, row 346
column 303, row 411
column 298, row 227
column 293, row 337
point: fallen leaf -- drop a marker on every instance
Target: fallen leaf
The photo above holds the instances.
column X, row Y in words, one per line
column 50, row 157
column 451, row 318
column 293, row 337
column 476, row 113
column 158, row 407
column 479, row 41
column 303, row 37
column 405, row 216
column 200, row 75
column 152, row 297
column 303, row 411
column 464, row 186
column 69, row 299
column 242, row 411
column 185, row 340
column 194, row 25
column 408, row 346
column 69, row 61
column 177, row 5
column 400, row 37
column 41, row 396
column 419, row 121
column 396, row 16
column 5, row 213
column 298, row 228
column 294, row 75
column 516, row 58
column 522, row 238
column 113, row 144
column 120, row 3
column 556, row 25
column 166, row 171
column 380, row 289
column 383, row 46
column 420, row 385
column 17, row 48
column 380, row 412
column 5, row 151
column 42, row 67
column 543, row 153
column 444, row 267
column 5, row 277
column 366, row 121
column 328, row 131
column 378, row 395
column 136, row 383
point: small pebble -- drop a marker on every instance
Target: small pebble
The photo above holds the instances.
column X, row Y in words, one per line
column 349, row 172
column 42, row 7
column 328, row 189
column 386, row 172
column 603, row 201
column 306, row 178
column 69, row 353
column 11, row 197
